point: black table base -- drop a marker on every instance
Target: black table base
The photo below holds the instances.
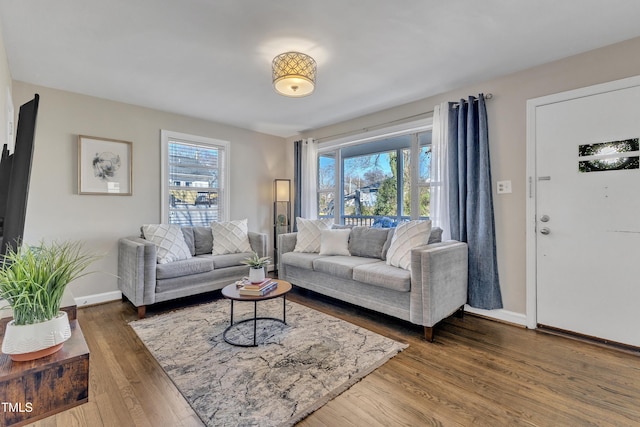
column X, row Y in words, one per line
column 254, row 319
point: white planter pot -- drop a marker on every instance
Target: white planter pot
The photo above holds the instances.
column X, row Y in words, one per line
column 256, row 275
column 28, row 342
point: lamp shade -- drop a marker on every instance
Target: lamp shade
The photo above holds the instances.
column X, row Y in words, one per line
column 294, row 74
column 282, row 190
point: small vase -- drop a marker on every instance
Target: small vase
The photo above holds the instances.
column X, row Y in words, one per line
column 29, row 342
column 256, row 275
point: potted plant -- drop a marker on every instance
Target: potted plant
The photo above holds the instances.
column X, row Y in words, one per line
column 256, row 264
column 32, row 280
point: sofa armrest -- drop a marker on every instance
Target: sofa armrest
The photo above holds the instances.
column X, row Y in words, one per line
column 286, row 243
column 438, row 281
column 137, row 260
column 259, row 243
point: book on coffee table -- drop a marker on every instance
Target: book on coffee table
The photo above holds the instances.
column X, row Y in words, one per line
column 259, row 291
column 259, row 285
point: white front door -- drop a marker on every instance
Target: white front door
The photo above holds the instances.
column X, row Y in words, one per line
column 587, row 211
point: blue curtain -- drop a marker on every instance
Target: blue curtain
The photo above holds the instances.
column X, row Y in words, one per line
column 297, row 183
column 471, row 200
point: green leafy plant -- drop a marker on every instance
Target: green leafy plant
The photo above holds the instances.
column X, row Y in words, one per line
column 33, row 278
column 254, row 261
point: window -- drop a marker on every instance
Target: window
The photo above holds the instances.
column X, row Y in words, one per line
column 381, row 181
column 326, row 184
column 424, row 174
column 194, row 179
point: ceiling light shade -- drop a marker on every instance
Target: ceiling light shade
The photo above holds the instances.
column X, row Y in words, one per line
column 294, row 74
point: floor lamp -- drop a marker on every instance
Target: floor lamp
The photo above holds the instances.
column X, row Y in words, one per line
column 281, row 213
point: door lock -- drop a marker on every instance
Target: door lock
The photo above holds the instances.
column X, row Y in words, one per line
column 545, row 230
column 544, row 218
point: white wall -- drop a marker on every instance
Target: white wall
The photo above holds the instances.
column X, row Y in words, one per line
column 507, row 133
column 56, row 211
column 5, row 91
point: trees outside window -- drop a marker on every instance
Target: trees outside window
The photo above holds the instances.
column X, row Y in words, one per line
column 378, row 181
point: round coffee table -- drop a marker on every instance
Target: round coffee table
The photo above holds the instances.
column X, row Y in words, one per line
column 231, row 292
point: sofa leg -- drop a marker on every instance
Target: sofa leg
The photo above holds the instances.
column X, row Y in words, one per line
column 428, row 333
column 142, row 311
column 460, row 312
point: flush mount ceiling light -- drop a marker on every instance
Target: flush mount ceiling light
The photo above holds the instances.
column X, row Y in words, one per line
column 294, row 74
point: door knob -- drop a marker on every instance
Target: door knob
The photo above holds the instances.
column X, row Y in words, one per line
column 545, row 230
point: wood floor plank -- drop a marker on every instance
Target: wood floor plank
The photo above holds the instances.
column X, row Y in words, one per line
column 477, row 372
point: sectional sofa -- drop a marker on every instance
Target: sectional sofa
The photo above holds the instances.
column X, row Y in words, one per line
column 415, row 278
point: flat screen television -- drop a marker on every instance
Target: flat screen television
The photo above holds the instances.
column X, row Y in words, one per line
column 15, row 173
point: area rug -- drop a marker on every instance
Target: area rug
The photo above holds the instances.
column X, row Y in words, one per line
column 297, row 368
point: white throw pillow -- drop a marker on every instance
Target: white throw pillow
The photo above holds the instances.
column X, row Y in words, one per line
column 334, row 242
column 308, row 237
column 230, row 237
column 169, row 240
column 407, row 236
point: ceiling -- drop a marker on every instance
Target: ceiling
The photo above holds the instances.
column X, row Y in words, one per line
column 211, row 59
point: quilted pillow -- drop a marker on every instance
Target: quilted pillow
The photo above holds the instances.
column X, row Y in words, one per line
column 230, row 237
column 169, row 240
column 407, row 236
column 334, row 242
column 308, row 237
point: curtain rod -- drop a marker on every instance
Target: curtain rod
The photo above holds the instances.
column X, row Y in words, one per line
column 486, row 97
column 383, row 125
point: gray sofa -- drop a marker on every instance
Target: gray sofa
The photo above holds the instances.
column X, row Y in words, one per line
column 433, row 288
column 143, row 281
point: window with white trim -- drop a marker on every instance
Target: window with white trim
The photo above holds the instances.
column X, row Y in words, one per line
column 195, row 179
column 380, row 180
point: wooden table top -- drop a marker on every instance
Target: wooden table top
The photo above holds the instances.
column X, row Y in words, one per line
column 232, row 292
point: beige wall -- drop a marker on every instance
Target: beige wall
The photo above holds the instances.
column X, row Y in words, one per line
column 507, row 132
column 56, row 211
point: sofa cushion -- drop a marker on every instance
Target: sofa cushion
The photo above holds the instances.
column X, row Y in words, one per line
column 367, row 241
column 230, row 237
column 383, row 275
column 185, row 267
column 308, row 237
column 300, row 259
column 387, row 243
column 202, row 240
column 340, row 266
column 407, row 236
column 169, row 240
column 187, row 232
column 334, row 242
column 228, row 260
column 435, row 236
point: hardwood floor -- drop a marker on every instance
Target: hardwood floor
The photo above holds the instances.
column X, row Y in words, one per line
column 476, row 372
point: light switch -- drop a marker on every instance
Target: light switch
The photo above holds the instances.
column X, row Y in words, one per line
column 504, row 187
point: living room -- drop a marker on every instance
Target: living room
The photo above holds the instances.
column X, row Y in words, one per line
column 56, row 211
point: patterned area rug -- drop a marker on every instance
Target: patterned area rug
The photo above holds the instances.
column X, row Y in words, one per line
column 297, row 368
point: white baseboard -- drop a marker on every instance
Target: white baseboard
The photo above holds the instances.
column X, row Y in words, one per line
column 98, row 298
column 500, row 314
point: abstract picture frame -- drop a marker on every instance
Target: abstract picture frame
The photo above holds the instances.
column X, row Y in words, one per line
column 104, row 166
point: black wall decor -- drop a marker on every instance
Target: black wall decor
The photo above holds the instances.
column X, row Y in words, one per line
column 15, row 173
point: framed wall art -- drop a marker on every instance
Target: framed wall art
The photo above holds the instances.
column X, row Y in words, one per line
column 104, row 166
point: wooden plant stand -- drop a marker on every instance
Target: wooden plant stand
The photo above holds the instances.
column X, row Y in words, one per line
column 36, row 389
